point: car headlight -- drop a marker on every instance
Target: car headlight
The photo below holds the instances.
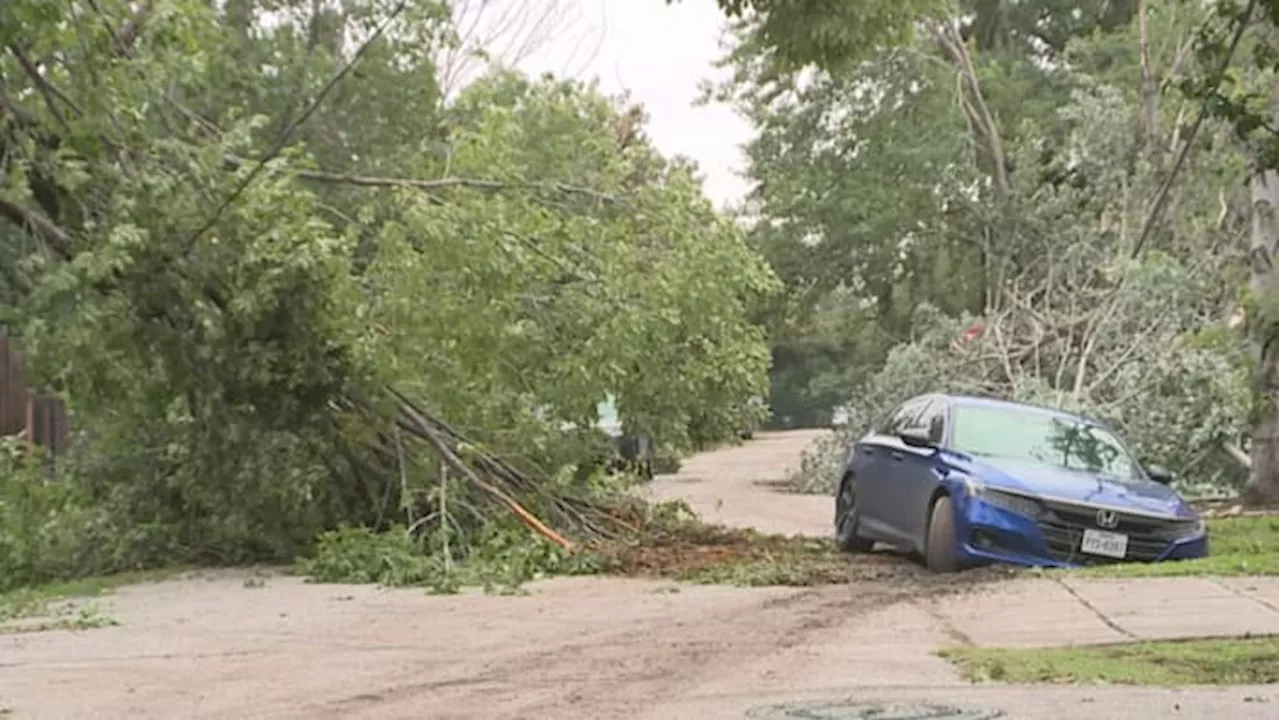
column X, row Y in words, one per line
column 1185, row 529
column 1020, row 504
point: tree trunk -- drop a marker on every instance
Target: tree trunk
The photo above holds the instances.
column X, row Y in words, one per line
column 1264, row 473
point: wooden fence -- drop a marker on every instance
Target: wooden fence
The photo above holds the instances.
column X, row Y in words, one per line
column 40, row 418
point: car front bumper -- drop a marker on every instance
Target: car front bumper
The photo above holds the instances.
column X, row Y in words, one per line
column 988, row 533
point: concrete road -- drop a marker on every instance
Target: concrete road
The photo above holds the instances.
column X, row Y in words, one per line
column 221, row 645
column 740, row 486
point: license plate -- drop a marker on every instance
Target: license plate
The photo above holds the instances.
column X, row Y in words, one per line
column 1098, row 542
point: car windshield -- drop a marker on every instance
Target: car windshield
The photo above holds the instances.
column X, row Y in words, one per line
column 1041, row 438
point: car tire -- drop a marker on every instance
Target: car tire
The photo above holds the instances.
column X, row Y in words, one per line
column 940, row 545
column 847, row 537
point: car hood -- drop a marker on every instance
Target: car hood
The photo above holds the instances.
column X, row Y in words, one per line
column 1083, row 487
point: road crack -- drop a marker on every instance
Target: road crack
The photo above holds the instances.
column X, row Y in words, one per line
column 1235, row 591
column 1093, row 609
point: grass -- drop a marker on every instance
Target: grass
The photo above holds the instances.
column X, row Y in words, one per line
column 84, row 617
column 1238, row 661
column 43, row 600
column 1237, row 546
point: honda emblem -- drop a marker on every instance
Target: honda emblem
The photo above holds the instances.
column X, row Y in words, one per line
column 1107, row 519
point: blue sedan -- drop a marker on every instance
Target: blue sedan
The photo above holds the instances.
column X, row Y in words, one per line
column 967, row 481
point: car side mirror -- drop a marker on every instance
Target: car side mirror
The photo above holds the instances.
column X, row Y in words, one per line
column 915, row 437
column 1159, row 474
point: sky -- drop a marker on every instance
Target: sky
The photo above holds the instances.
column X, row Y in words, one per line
column 660, row 53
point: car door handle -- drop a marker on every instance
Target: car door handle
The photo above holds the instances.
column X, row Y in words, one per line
column 868, row 451
column 897, row 455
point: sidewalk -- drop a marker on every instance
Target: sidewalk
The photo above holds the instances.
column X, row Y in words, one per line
column 1046, row 612
column 888, row 656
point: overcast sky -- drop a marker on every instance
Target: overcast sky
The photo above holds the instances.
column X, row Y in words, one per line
column 659, row 53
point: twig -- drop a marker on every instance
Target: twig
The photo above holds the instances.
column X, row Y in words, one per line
column 1090, row 338
column 405, row 497
column 1190, row 465
column 568, row 510
column 444, row 514
column 382, row 505
column 1156, row 324
column 1003, row 351
column 423, row 427
column 416, row 524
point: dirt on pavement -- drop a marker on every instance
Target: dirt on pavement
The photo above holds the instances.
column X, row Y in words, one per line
column 237, row 645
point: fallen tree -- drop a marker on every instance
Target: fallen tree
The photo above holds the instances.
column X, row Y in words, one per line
column 226, row 247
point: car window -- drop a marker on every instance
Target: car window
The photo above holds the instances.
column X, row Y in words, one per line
column 1045, row 439
column 906, row 416
column 889, row 423
column 934, row 420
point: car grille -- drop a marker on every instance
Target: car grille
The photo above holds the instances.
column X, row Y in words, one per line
column 1063, row 527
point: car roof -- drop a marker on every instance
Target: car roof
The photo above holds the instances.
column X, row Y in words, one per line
column 978, row 401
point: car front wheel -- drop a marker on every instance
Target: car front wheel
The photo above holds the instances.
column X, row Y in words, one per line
column 940, row 548
column 847, row 518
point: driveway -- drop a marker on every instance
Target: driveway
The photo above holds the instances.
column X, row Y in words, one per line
column 230, row 645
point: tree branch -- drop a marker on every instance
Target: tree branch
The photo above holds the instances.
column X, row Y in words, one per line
column 297, row 122
column 33, row 73
column 125, row 38
column 430, row 185
column 953, row 43
column 1162, row 196
column 50, row 94
column 1147, row 81
column 1238, row 455
column 37, row 226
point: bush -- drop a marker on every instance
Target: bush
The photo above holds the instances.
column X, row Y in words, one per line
column 46, row 532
